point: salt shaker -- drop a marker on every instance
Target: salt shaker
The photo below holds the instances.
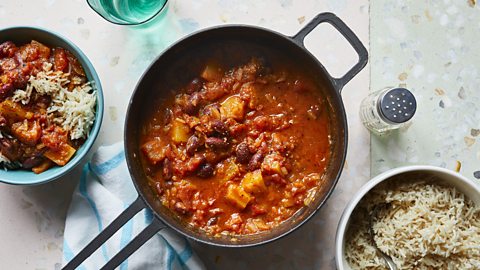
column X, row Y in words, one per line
column 387, row 109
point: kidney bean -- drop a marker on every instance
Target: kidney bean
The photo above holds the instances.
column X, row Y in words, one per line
column 195, row 85
column 212, row 110
column 276, row 178
column 167, row 116
column 242, row 153
column 20, row 81
column 159, row 188
column 193, row 164
column 31, row 162
column 5, row 89
column 216, row 143
column 255, row 161
column 206, row 170
column 193, row 144
column 189, row 104
column 3, row 121
column 43, row 101
column 196, row 99
column 189, row 109
column 264, row 66
column 167, row 169
column 220, row 127
column 5, row 143
column 214, row 157
column 9, row 149
column 299, row 86
column 40, row 152
column 7, row 49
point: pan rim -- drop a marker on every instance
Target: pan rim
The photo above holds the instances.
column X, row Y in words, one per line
column 341, row 113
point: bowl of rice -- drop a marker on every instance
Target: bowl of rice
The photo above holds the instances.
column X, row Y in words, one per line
column 423, row 217
column 51, row 105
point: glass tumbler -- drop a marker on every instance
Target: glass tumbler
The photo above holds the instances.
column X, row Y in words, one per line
column 127, row 12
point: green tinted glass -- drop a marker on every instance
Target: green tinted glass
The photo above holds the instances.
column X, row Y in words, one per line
column 127, row 12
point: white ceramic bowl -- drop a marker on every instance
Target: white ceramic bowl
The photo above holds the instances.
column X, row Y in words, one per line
column 461, row 183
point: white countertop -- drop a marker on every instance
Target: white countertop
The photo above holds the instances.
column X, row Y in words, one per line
column 32, row 218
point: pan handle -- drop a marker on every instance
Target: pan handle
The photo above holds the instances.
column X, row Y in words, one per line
column 110, row 230
column 347, row 33
column 137, row 242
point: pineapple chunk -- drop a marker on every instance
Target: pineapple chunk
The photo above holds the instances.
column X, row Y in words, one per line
column 45, row 165
column 231, row 170
column 272, row 164
column 13, row 111
column 28, row 132
column 237, row 196
column 212, row 72
column 253, row 182
column 61, row 155
column 233, row 107
column 180, row 131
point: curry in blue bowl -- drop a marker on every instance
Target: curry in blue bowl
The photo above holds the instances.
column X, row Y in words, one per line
column 51, row 105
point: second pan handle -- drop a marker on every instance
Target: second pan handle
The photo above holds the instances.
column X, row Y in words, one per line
column 137, row 242
column 110, row 230
column 347, row 33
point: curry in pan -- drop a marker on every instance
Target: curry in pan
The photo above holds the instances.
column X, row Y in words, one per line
column 241, row 146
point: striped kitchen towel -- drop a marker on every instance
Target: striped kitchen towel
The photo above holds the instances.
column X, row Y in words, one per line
column 104, row 191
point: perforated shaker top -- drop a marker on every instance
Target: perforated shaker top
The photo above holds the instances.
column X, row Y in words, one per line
column 397, row 105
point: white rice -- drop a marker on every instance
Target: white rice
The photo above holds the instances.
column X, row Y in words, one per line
column 74, row 109
column 423, row 226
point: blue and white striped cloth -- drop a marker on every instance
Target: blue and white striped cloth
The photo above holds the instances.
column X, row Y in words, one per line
column 104, row 191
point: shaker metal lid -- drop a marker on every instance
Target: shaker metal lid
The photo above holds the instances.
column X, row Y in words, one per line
column 397, row 105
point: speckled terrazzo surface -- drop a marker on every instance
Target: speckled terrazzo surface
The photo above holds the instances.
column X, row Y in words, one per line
column 32, row 218
column 432, row 48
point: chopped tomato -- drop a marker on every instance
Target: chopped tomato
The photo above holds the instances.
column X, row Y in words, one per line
column 60, row 60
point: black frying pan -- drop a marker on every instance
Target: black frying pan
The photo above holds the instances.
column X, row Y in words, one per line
column 294, row 48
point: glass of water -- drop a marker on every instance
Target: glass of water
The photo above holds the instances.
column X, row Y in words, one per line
column 128, row 12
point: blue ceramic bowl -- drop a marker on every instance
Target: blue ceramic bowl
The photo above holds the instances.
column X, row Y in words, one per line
column 23, row 35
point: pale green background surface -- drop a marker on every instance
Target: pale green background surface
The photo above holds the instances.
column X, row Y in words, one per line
column 432, row 48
